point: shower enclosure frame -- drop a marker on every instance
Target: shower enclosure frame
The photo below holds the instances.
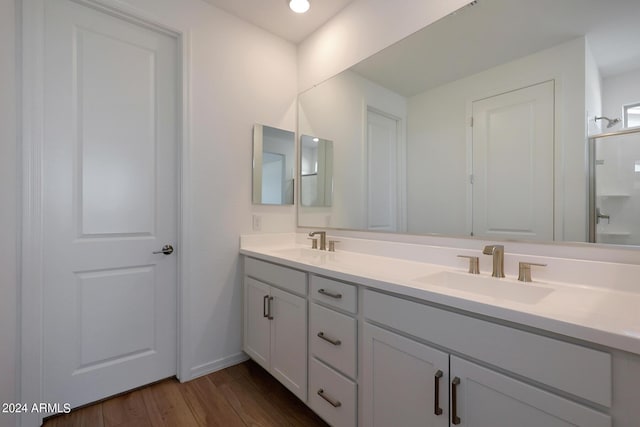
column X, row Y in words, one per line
column 592, row 176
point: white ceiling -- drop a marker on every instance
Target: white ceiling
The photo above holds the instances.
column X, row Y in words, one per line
column 497, row 31
column 276, row 17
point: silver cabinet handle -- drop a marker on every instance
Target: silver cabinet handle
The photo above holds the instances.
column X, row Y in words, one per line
column 269, row 316
column 329, row 340
column 455, row 419
column 329, row 294
column 166, row 249
column 332, row 402
column 264, row 306
column 437, row 410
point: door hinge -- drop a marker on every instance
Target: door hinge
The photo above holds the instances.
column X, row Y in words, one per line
column 471, row 179
column 471, row 121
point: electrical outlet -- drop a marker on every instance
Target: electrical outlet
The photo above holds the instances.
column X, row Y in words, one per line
column 257, row 223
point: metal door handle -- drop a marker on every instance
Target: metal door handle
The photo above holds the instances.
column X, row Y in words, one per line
column 437, row 410
column 329, row 294
column 329, row 340
column 166, row 249
column 455, row 419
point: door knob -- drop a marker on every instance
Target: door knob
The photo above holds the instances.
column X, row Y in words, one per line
column 166, row 249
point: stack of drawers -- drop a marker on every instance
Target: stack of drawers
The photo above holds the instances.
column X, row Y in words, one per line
column 333, row 351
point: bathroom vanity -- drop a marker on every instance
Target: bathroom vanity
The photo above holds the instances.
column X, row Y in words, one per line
column 370, row 340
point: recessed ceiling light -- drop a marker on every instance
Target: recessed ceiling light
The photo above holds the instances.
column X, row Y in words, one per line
column 299, row 6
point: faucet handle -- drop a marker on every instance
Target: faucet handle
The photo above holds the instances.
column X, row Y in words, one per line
column 524, row 270
column 491, row 249
column 332, row 245
column 314, row 242
column 474, row 263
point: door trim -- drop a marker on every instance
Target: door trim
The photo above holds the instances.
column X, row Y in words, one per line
column 32, row 257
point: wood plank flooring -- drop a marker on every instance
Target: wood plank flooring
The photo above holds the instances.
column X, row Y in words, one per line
column 239, row 396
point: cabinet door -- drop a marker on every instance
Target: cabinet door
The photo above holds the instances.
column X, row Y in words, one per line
column 485, row 398
column 405, row 383
column 257, row 327
column 289, row 341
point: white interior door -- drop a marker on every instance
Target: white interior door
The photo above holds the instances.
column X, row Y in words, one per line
column 513, row 144
column 382, row 148
column 110, row 200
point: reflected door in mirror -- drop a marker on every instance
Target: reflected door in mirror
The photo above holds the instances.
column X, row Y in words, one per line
column 513, row 164
column 316, row 170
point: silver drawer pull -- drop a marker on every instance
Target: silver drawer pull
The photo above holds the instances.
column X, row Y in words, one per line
column 329, row 294
column 334, row 403
column 329, row 340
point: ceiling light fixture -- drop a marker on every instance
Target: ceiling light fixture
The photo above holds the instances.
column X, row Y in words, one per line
column 299, row 6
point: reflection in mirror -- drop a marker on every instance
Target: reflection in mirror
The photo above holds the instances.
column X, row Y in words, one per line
column 273, row 165
column 316, row 171
column 615, row 193
column 478, row 124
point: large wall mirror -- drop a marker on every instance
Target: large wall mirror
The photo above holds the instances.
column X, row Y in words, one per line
column 480, row 125
column 273, row 165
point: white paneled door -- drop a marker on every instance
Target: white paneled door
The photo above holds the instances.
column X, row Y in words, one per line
column 110, row 201
column 382, row 191
column 513, row 145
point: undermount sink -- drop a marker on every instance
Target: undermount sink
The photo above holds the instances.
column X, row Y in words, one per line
column 299, row 252
column 506, row 289
column 302, row 254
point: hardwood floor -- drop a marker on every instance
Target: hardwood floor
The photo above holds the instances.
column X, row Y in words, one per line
column 239, row 396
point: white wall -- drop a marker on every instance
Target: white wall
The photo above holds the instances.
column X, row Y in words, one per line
column 593, row 92
column 362, row 29
column 618, row 91
column 336, row 111
column 8, row 209
column 438, row 122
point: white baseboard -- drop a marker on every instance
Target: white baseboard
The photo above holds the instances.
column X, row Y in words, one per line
column 216, row 365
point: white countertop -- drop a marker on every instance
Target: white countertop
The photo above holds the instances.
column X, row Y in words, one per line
column 604, row 316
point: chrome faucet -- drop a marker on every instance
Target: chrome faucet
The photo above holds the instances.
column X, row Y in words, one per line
column 323, row 239
column 498, row 259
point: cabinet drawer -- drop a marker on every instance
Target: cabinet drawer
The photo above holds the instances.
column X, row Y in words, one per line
column 334, row 293
column 331, row 395
column 337, row 344
column 286, row 278
column 578, row 370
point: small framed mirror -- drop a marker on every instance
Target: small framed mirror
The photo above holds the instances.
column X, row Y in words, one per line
column 316, row 171
column 273, row 165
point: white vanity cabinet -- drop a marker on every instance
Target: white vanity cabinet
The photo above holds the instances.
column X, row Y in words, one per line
column 406, row 380
column 405, row 383
column 362, row 355
column 484, row 397
column 333, row 364
column 275, row 322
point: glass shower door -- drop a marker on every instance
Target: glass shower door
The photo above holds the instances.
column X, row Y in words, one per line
column 615, row 188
